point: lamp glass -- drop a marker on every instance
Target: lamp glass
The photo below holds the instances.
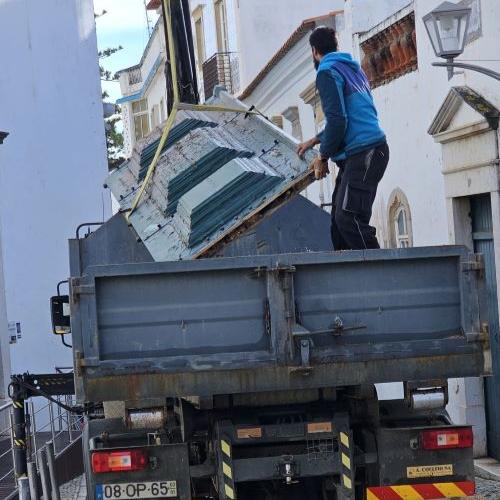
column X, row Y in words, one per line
column 447, row 28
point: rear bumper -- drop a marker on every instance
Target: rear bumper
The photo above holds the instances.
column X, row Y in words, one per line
column 422, row 491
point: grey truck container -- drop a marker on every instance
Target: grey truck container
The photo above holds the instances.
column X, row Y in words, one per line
column 278, row 322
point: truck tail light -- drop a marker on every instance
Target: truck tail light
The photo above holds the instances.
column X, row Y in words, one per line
column 441, row 439
column 119, row 461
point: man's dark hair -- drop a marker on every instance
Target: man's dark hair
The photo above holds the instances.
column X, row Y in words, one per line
column 324, row 40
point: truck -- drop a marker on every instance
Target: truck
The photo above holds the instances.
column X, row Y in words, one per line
column 223, row 351
column 254, row 376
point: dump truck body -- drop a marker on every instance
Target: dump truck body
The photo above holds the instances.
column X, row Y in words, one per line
column 271, row 323
column 252, row 376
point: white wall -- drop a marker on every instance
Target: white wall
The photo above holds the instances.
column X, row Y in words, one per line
column 265, row 25
column 52, row 165
column 209, row 25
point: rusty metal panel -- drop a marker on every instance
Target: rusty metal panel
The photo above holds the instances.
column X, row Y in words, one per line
column 263, row 323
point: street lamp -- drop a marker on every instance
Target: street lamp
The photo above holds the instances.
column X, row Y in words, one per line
column 447, row 26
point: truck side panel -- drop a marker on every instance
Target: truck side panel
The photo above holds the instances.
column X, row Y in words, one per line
column 249, row 324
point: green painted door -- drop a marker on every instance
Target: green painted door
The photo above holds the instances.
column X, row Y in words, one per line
column 482, row 235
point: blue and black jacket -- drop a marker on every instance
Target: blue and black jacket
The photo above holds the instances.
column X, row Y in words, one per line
column 352, row 123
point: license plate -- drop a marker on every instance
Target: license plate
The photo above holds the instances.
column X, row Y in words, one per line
column 119, row 491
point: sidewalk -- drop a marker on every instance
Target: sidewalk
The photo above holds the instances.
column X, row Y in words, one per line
column 74, row 490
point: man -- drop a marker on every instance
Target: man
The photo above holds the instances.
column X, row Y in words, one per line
column 352, row 138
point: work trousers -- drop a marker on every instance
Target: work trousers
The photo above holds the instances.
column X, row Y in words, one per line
column 353, row 197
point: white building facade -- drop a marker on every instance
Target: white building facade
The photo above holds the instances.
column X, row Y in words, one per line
column 233, row 39
column 144, row 91
column 53, row 163
column 441, row 185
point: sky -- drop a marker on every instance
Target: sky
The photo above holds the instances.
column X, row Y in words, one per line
column 123, row 24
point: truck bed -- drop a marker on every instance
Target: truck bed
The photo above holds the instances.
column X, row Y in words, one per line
column 282, row 322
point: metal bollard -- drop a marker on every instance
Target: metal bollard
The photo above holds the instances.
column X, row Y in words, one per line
column 33, row 481
column 51, row 461
column 44, row 473
column 24, row 488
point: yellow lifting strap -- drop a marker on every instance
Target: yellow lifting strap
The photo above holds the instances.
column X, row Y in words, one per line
column 176, row 106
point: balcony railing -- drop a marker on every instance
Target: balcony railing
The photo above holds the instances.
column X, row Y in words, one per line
column 134, row 76
column 220, row 69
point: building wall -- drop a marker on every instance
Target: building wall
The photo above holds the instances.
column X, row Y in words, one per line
column 156, row 91
column 264, row 26
column 208, row 10
column 52, row 164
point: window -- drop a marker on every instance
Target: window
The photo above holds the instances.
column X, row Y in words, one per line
column 141, row 118
column 200, row 36
column 400, row 229
column 221, row 25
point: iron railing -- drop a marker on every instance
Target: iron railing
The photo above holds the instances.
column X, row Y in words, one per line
column 46, row 422
column 220, row 69
column 134, row 76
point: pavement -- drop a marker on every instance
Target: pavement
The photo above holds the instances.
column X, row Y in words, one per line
column 486, row 489
column 487, row 468
column 74, row 490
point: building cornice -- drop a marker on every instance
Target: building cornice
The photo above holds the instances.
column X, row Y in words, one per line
column 456, row 96
column 305, row 28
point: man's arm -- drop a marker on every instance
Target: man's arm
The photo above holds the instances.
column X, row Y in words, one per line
column 332, row 101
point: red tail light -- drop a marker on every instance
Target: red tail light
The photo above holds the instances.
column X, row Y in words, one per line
column 442, row 439
column 119, row 461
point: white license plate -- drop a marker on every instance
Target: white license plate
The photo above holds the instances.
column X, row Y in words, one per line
column 120, row 491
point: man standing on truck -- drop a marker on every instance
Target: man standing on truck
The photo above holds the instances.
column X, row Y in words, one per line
column 352, row 138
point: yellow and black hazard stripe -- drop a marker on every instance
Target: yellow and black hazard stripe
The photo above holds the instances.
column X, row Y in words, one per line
column 346, row 448
column 18, row 404
column 227, row 489
column 421, row 491
column 19, row 443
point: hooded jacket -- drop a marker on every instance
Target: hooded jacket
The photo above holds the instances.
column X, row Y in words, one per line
column 352, row 123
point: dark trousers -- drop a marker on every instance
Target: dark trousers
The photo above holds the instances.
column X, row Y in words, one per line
column 353, row 197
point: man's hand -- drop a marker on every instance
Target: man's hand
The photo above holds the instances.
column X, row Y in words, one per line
column 320, row 168
column 303, row 147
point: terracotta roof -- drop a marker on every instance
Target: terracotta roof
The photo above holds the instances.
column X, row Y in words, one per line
column 306, row 27
column 153, row 4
